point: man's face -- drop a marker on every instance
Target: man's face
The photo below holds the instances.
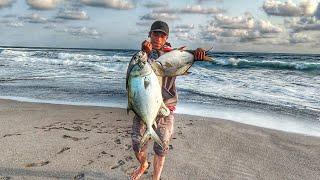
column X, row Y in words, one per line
column 158, row 39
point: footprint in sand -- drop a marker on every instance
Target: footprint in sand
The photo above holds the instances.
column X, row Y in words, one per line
column 117, row 141
column 43, row 163
column 63, row 149
column 74, row 138
column 79, row 176
column 120, row 163
column 8, row 135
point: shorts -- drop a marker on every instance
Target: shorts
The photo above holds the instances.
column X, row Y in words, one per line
column 164, row 131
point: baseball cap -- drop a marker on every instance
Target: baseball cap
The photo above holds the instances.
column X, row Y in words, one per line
column 160, row 26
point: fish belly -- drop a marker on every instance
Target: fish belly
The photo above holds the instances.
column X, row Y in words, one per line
column 145, row 97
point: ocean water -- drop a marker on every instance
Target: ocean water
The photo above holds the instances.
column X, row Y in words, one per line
column 279, row 91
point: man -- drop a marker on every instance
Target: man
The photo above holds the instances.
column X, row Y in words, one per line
column 158, row 34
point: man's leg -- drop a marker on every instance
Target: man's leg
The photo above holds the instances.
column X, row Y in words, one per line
column 158, row 163
column 142, row 158
column 138, row 129
column 165, row 131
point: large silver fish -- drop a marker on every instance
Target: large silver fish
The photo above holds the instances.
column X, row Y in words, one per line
column 174, row 63
column 144, row 95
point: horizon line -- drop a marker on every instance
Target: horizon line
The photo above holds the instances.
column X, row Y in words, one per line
column 101, row 49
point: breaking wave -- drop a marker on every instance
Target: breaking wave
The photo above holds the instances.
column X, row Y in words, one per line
column 243, row 63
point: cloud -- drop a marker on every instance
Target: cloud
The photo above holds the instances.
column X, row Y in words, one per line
column 34, row 18
column 15, row 24
column 159, row 16
column 185, row 26
column 266, row 27
column 317, row 13
column 244, row 28
column 166, row 10
column 155, row 5
column 297, row 38
column 144, row 23
column 185, row 36
column 239, row 22
column 272, row 41
column 303, row 24
column 290, row 9
column 182, row 28
column 81, row 31
column 72, row 15
column 6, row 3
column 110, row 4
column 198, row 9
column 218, row 1
column 50, row 26
column 195, row 9
column 10, row 16
column 43, row 4
column 12, row 23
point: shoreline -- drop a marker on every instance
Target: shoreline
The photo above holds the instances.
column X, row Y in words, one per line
column 63, row 141
column 270, row 120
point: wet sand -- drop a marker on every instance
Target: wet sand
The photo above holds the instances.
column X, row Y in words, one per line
column 45, row 141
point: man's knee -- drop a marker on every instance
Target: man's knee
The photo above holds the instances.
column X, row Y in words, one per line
column 136, row 146
column 161, row 151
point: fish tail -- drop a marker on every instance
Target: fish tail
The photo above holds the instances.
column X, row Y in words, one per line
column 150, row 133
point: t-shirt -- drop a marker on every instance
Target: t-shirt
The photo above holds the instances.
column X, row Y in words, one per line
column 169, row 91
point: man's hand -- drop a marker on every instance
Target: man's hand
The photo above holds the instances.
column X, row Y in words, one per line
column 146, row 46
column 199, row 54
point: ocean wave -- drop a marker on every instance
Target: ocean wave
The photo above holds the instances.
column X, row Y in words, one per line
column 75, row 56
column 243, row 63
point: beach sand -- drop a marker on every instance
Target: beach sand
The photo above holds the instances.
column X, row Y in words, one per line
column 46, row 141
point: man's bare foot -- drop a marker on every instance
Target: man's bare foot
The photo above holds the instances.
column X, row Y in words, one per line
column 136, row 174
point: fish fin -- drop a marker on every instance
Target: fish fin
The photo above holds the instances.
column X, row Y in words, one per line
column 186, row 73
column 207, row 58
column 150, row 133
column 155, row 124
column 168, row 65
column 128, row 107
column 158, row 69
column 182, row 48
column 164, row 111
column 146, row 83
column 208, row 49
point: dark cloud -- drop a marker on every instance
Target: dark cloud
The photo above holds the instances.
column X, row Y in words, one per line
column 317, row 13
column 110, row 4
column 303, row 24
column 297, row 38
column 153, row 4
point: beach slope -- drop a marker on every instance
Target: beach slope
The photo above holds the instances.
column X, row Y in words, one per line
column 46, row 141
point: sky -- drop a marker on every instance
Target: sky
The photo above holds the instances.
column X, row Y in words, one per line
column 226, row 25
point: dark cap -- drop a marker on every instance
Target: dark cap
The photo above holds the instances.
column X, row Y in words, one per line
column 160, row 26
